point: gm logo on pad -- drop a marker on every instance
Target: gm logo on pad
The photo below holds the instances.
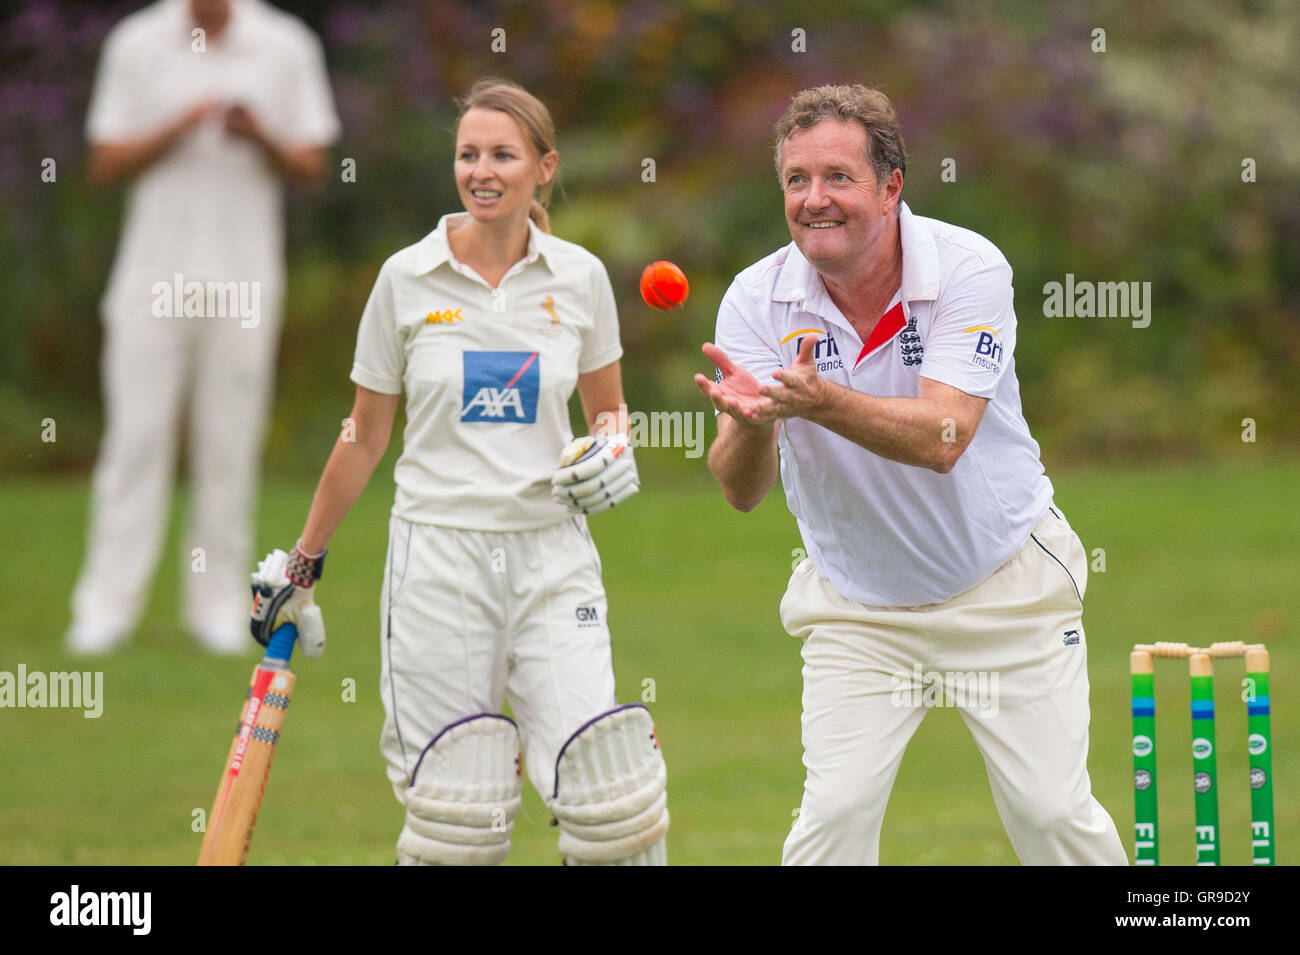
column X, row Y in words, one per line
column 501, row 386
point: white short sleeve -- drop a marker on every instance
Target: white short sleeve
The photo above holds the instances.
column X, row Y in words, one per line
column 601, row 346
column 973, row 332
column 314, row 120
column 737, row 335
column 114, row 112
column 380, row 358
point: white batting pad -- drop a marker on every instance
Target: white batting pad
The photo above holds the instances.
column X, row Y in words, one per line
column 610, row 796
column 464, row 794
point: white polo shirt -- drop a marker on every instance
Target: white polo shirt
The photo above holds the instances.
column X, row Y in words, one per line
column 487, row 373
column 211, row 209
column 882, row 532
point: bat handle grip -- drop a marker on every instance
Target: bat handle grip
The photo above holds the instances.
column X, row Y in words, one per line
column 280, row 646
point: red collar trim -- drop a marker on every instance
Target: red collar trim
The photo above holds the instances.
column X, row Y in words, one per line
column 890, row 324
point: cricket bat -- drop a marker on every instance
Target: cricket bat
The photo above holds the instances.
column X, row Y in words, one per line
column 239, row 795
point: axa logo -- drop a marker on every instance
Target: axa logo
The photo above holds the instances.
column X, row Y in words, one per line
column 501, row 386
column 825, row 353
column 445, row 317
column 988, row 347
column 493, row 403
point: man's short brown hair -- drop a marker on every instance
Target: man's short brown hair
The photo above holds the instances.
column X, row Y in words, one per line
column 856, row 104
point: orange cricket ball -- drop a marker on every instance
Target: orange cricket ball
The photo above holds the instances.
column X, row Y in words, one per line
column 664, row 286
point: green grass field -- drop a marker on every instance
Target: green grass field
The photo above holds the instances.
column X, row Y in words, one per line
column 1193, row 553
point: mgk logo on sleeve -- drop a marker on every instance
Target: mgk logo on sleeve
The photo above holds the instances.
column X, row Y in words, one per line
column 501, row 386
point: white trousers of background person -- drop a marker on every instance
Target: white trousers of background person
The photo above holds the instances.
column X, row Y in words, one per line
column 212, row 379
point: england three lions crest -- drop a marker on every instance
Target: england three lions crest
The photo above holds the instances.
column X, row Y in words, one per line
column 909, row 343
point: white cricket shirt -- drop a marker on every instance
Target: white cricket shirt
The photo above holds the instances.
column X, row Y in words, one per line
column 211, row 209
column 882, row 532
column 487, row 374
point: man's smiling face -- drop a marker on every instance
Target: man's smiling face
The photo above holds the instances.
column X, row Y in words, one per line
column 836, row 210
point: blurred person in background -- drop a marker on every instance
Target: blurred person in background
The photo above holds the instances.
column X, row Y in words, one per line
column 206, row 108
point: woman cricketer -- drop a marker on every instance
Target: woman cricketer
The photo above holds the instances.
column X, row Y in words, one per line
column 492, row 584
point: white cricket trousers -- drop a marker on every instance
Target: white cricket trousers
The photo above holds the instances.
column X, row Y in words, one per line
column 471, row 618
column 1012, row 653
column 216, row 376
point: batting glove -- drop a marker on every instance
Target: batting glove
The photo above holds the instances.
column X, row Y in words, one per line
column 596, row 472
column 282, row 593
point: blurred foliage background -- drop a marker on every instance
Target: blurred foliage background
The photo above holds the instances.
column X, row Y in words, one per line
column 1123, row 165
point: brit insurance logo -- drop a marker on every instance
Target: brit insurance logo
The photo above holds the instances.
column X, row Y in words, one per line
column 825, row 353
column 988, row 348
column 501, row 386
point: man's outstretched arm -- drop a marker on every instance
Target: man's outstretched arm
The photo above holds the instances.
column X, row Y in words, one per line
column 743, row 459
column 929, row 431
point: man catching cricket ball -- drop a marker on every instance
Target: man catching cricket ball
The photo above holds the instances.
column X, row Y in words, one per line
column 870, row 362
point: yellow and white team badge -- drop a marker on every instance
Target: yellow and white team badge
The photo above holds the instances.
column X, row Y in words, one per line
column 548, row 303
